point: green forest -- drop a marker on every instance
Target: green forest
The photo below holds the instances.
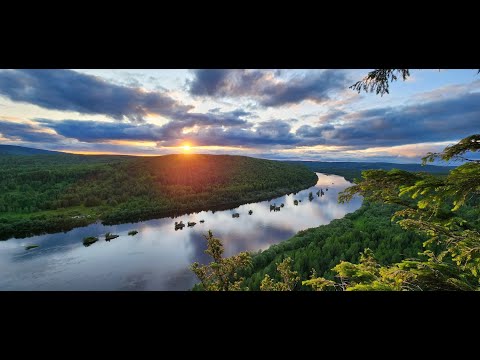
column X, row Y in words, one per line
column 51, row 193
column 353, row 170
column 323, row 247
column 343, row 240
column 414, row 231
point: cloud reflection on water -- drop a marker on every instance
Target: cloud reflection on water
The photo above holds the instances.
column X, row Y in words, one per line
column 158, row 257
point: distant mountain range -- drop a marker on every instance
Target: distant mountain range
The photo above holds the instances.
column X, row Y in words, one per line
column 374, row 165
column 348, row 169
column 21, row 150
column 352, row 170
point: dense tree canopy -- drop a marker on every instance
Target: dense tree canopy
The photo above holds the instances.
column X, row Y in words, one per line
column 431, row 205
column 440, row 211
column 48, row 193
column 321, row 248
column 379, row 247
column 445, row 209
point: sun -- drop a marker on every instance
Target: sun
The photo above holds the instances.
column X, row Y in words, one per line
column 186, row 148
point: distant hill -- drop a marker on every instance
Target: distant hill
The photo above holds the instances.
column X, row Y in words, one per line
column 352, row 170
column 375, row 165
column 21, row 150
column 41, row 194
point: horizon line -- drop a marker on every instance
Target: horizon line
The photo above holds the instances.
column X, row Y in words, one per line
column 106, row 153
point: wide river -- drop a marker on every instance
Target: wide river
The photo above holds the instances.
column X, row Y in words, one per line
column 158, row 257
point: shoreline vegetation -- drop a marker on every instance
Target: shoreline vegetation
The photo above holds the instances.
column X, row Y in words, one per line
column 344, row 240
column 53, row 193
column 322, row 247
column 378, row 247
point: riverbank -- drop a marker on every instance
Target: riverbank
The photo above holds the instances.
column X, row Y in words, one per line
column 158, row 256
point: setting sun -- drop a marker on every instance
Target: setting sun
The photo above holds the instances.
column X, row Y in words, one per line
column 186, row 147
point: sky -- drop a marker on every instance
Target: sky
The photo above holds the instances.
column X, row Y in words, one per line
column 284, row 114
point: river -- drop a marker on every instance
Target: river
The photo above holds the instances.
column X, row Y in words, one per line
column 158, row 257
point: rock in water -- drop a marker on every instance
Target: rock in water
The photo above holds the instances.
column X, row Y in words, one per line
column 89, row 240
column 109, row 236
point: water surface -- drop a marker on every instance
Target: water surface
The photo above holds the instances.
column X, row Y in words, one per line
column 158, row 257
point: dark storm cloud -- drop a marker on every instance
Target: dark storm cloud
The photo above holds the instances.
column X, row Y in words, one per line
column 221, row 131
column 331, row 116
column 233, row 113
column 435, row 121
column 265, row 87
column 307, row 131
column 229, row 118
column 267, row 133
column 209, row 81
column 69, row 90
column 26, row 132
column 94, row 131
column 440, row 120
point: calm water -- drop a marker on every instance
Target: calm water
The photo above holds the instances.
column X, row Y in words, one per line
column 158, row 257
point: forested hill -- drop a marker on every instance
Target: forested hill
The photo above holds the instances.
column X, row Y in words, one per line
column 352, row 170
column 321, row 248
column 40, row 193
column 21, row 150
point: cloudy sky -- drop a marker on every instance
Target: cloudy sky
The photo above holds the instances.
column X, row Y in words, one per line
column 276, row 114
